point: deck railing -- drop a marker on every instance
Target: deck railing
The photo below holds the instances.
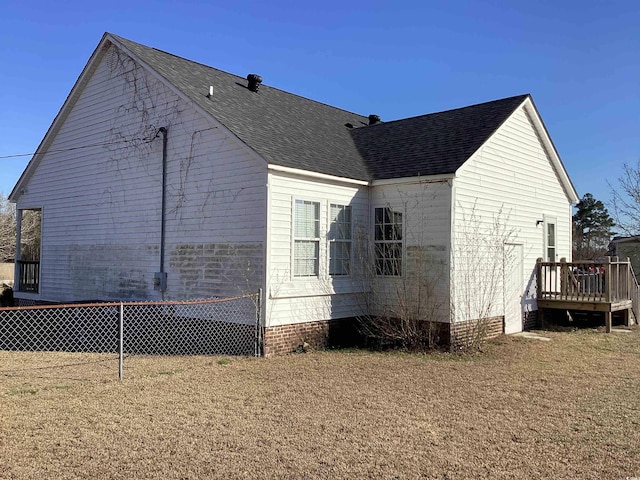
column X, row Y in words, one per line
column 635, row 294
column 609, row 281
column 28, row 276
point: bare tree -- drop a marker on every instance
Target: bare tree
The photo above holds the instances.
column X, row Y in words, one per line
column 30, row 232
column 7, row 229
column 30, row 235
column 625, row 200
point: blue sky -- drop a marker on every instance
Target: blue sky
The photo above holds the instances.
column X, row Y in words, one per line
column 580, row 60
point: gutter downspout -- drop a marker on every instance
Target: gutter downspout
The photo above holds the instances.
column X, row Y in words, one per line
column 160, row 278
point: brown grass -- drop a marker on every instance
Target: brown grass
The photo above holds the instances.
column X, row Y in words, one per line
column 568, row 408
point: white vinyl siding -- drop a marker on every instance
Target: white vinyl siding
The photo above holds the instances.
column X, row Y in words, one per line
column 101, row 182
column 510, row 185
column 426, row 231
column 293, row 299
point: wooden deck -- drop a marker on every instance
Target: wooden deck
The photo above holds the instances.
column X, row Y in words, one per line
column 608, row 286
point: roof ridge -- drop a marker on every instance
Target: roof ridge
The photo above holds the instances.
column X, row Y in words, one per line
column 450, row 110
column 120, row 38
column 294, row 131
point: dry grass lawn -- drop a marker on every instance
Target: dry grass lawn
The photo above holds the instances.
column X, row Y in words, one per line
column 568, row 408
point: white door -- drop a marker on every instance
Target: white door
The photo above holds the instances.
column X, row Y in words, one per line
column 513, row 287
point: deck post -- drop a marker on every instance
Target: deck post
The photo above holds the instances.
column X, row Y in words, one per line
column 564, row 278
column 539, row 290
column 607, row 322
column 607, row 279
column 539, row 276
column 630, row 279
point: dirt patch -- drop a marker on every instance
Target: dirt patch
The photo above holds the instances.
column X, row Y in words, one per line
column 567, row 408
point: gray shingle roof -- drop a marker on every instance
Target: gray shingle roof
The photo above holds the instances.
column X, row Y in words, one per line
column 293, row 131
column 285, row 129
column 438, row 143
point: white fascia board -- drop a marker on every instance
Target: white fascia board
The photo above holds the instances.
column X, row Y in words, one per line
column 413, row 180
column 59, row 119
column 532, row 112
column 531, row 109
column 320, row 176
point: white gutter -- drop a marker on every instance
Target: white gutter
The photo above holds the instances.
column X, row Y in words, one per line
column 408, row 180
column 307, row 173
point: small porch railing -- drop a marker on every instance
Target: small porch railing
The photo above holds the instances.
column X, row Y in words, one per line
column 28, row 276
column 635, row 294
column 610, row 281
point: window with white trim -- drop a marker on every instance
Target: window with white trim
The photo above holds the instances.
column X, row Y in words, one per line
column 550, row 238
column 339, row 238
column 306, row 248
column 388, row 241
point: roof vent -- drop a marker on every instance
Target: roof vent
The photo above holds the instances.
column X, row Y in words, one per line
column 254, row 82
column 373, row 119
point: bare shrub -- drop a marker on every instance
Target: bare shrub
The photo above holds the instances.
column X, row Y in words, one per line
column 409, row 316
column 405, row 277
column 482, row 254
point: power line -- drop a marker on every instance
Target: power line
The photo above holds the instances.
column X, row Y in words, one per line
column 104, row 144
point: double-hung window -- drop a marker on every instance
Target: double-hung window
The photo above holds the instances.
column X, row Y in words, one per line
column 339, row 237
column 306, row 238
column 388, row 241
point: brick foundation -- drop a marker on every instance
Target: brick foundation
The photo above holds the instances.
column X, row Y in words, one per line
column 344, row 332
column 284, row 339
column 464, row 333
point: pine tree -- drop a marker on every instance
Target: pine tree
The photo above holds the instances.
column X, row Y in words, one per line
column 591, row 229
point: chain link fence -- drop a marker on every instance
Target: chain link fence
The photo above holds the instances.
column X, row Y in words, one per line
column 227, row 326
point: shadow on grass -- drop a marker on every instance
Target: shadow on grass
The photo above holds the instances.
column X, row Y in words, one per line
column 566, row 321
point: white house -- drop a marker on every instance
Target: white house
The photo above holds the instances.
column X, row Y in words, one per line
column 164, row 178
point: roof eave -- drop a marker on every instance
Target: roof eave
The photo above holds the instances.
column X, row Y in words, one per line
column 315, row 175
column 567, row 184
column 442, row 177
column 550, row 148
column 489, row 137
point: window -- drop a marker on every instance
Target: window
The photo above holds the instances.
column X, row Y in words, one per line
column 550, row 238
column 388, row 241
column 339, row 239
column 551, row 242
column 306, row 238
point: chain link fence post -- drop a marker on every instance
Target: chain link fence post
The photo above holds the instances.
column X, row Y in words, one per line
column 120, row 340
column 258, row 351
